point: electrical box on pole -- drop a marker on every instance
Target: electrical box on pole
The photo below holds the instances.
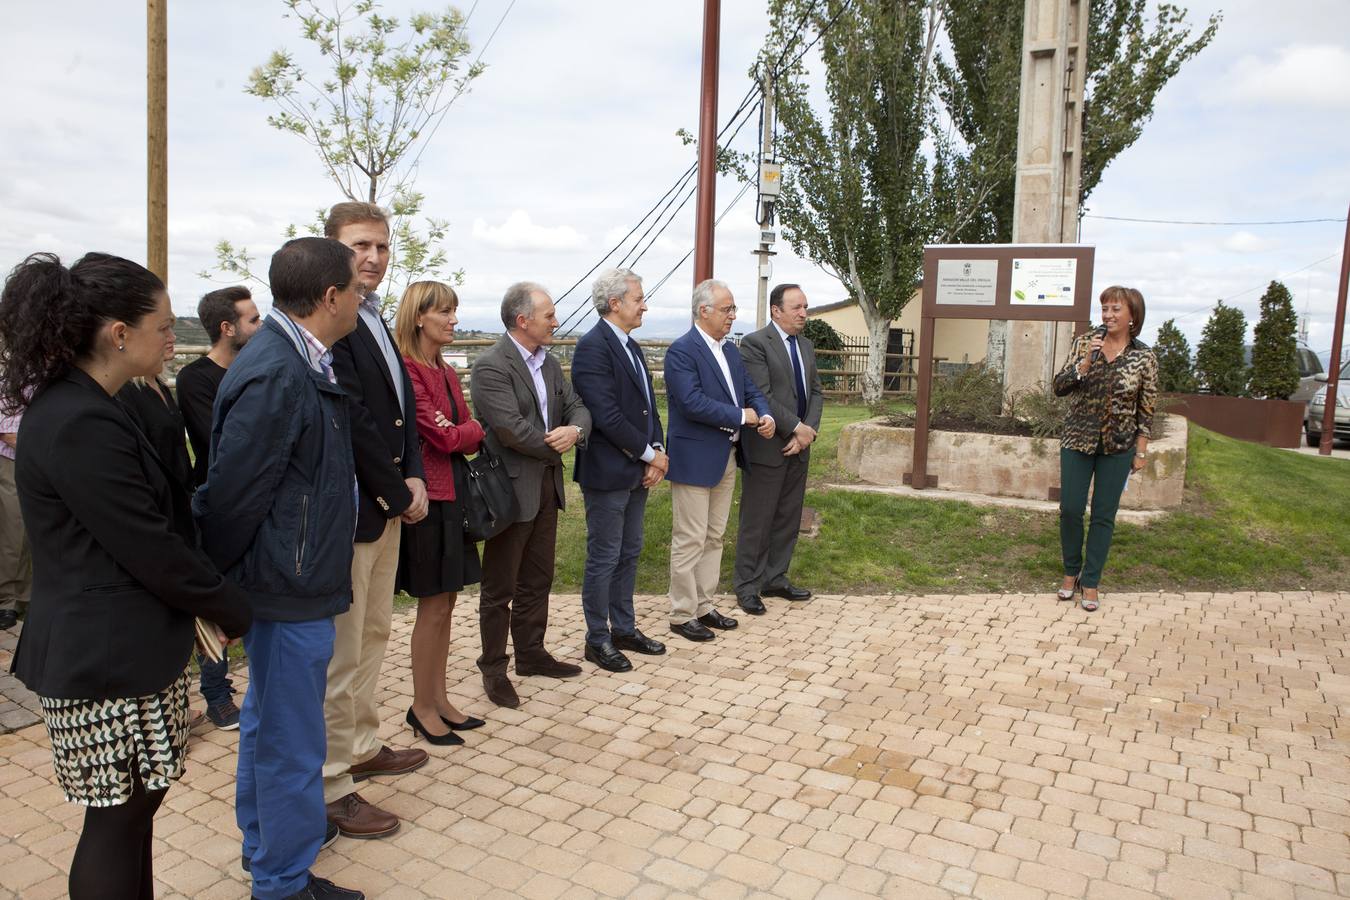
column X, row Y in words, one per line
column 770, row 183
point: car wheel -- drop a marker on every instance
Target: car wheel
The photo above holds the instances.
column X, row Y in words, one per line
column 1314, row 438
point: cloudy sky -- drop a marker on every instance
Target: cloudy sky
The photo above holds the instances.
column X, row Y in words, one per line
column 570, row 137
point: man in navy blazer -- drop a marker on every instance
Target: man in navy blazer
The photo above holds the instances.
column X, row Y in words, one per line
column 623, row 459
column 711, row 398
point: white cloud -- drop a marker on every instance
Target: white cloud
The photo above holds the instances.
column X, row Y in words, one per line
column 1246, row 242
column 519, row 232
column 1303, row 75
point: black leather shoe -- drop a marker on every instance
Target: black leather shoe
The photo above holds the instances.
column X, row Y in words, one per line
column 751, row 604
column 323, row 889
column 468, row 724
column 787, row 592
column 8, row 619
column 694, row 630
column 548, row 667
column 449, row 739
column 714, row 619
column 639, row 643
column 608, row 658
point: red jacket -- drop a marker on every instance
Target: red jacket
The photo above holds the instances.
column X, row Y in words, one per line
column 436, row 389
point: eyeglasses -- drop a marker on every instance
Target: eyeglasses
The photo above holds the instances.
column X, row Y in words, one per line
column 725, row 310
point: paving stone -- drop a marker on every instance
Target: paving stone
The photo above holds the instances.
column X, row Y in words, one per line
column 1186, row 745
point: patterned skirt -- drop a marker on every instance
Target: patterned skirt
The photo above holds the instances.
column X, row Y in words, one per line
column 97, row 745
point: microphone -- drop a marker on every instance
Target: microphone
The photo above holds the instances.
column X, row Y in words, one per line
column 1101, row 333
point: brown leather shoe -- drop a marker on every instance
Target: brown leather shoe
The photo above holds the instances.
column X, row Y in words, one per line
column 500, row 691
column 357, row 818
column 389, row 762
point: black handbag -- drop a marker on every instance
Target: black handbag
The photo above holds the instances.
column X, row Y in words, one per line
column 489, row 499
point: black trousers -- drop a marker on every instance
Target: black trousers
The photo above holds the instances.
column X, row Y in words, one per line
column 771, row 516
column 517, row 579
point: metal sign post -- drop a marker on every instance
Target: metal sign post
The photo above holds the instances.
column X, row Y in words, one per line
column 1016, row 282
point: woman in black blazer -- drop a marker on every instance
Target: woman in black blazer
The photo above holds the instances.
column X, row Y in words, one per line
column 117, row 575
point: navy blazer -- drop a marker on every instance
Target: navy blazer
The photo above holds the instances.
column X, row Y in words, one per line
column 703, row 416
column 623, row 420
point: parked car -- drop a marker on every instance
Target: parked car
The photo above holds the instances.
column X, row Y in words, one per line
column 1312, row 422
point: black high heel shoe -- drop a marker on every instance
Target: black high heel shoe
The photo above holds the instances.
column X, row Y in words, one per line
column 449, row 739
column 468, row 724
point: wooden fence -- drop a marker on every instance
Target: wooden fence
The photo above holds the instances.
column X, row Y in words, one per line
column 841, row 371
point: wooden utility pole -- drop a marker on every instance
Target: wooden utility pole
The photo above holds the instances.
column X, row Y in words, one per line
column 1049, row 168
column 1334, row 362
column 707, row 144
column 157, row 138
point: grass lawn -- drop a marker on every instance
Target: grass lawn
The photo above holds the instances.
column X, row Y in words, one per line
column 1253, row 518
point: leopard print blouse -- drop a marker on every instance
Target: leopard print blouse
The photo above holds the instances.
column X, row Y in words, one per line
column 1113, row 404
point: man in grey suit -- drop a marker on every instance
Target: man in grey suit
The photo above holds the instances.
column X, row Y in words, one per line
column 531, row 417
column 782, row 364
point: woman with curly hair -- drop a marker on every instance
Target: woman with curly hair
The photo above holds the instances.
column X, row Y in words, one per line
column 117, row 574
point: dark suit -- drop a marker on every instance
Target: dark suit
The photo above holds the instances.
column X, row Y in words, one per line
column 621, row 398
column 705, row 416
column 386, row 451
column 117, row 574
column 774, row 485
column 518, row 563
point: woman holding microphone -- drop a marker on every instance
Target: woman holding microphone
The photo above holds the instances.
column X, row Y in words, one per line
column 1111, row 379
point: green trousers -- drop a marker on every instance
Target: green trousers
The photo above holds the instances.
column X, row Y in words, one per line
column 1077, row 471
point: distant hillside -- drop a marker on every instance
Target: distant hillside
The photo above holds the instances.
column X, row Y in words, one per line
column 189, row 332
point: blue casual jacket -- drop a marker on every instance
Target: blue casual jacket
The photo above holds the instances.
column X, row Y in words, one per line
column 703, row 414
column 278, row 512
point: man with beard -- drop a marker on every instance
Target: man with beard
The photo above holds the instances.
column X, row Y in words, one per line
column 230, row 319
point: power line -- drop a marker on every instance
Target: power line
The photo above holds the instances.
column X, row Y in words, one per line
column 1252, row 289
column 685, row 258
column 1186, row 222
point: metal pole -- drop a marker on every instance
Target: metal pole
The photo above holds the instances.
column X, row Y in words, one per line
column 1334, row 364
column 157, row 138
column 764, row 251
column 707, row 145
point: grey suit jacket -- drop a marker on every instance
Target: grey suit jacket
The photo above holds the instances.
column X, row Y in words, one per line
column 504, row 399
column 769, row 366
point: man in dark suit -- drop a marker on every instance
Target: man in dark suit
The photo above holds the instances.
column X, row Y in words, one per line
column 391, row 489
column 711, row 400
column 783, row 364
column 622, row 459
column 531, row 417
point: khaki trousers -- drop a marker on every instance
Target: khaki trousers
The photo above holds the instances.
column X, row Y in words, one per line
column 349, row 710
column 16, row 568
column 698, row 521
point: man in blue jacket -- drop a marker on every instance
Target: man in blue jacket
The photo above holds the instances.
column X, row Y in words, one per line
column 623, row 458
column 711, row 398
column 277, row 513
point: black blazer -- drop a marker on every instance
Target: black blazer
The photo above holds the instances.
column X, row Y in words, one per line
column 117, row 574
column 384, row 435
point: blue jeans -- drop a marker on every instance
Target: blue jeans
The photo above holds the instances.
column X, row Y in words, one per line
column 279, row 789
column 217, row 688
column 613, row 544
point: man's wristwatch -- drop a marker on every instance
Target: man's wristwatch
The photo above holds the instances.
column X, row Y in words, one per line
column 580, row 434
column 1141, row 454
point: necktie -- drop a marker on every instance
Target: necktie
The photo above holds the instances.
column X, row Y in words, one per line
column 797, row 376
column 635, row 356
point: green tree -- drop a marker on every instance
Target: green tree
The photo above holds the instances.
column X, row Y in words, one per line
column 1220, row 366
column 822, row 336
column 1135, row 47
column 382, row 95
column 1274, row 346
column 868, row 182
column 1174, row 359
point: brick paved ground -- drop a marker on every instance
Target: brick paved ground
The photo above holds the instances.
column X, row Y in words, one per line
column 1192, row 746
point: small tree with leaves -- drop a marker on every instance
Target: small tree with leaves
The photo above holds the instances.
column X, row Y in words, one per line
column 822, row 336
column 1174, row 359
column 1274, row 346
column 1220, row 366
column 382, row 94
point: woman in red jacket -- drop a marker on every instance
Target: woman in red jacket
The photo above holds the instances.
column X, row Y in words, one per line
column 436, row 558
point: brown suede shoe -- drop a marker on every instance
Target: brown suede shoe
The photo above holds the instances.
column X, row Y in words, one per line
column 500, row 691
column 357, row 818
column 389, row 762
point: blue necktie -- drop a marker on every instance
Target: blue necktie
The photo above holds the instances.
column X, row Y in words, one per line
column 635, row 353
column 797, row 375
